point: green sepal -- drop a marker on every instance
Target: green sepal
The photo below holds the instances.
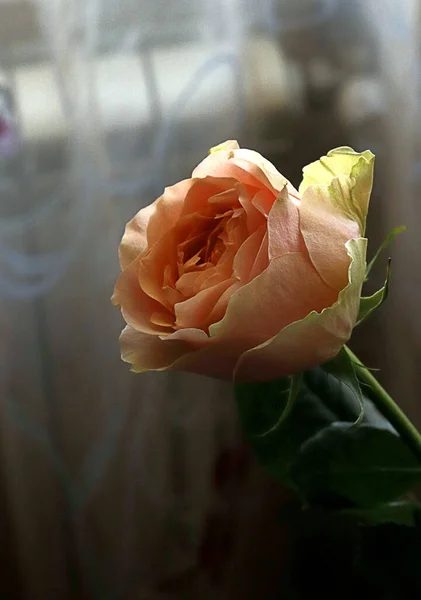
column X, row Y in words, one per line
column 383, row 246
column 369, row 304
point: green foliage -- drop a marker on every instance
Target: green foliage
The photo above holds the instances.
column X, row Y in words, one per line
column 401, row 512
column 371, row 303
column 367, row 465
column 325, row 440
column 289, row 396
column 322, row 400
column 383, row 246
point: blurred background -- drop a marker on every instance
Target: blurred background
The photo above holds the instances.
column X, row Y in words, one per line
column 123, row 487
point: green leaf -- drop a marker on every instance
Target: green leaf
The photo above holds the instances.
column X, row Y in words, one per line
column 342, row 368
column 367, row 465
column 371, row 303
column 383, row 246
column 402, row 512
column 323, row 399
column 292, row 391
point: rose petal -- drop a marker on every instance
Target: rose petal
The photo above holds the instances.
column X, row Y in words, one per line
column 215, row 358
column 222, row 191
column 184, row 350
column 255, row 218
column 250, row 159
column 152, row 267
column 351, row 176
column 162, row 256
column 261, row 261
column 186, row 284
column 247, row 253
column 263, row 200
column 136, row 306
column 134, row 240
column 149, row 352
column 228, row 145
column 162, row 319
column 286, row 291
column 194, row 311
column 220, row 308
column 251, row 162
column 168, row 210
column 194, row 282
column 325, row 232
column 212, row 277
column 284, row 227
column 313, row 340
column 223, row 164
column 152, row 222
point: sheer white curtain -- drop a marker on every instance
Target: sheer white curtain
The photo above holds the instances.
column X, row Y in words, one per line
column 108, row 479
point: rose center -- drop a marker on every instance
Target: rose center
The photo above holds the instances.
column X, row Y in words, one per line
column 203, row 248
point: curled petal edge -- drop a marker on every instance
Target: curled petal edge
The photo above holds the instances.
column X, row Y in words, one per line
column 313, row 340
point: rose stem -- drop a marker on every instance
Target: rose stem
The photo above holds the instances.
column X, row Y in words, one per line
column 388, row 407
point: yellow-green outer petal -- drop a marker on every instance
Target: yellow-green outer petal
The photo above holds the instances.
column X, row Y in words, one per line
column 349, row 176
column 228, row 145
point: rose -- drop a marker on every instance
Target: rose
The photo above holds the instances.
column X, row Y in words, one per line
column 235, row 273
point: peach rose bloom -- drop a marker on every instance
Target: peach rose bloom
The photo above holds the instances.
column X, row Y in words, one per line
column 234, row 273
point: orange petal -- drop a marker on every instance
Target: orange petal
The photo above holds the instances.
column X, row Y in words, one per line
column 222, row 164
column 186, row 284
column 161, row 258
column 316, row 338
column 247, row 253
column 286, row 291
column 255, row 218
column 152, row 267
column 220, row 308
column 227, row 199
column 213, row 274
column 247, row 166
column 136, row 306
column 263, row 201
column 222, row 190
column 152, row 222
column 261, row 261
column 149, row 352
column 325, row 232
column 194, row 311
column 217, row 359
column 134, row 240
column 284, row 227
column 250, row 160
column 184, row 350
column 168, row 210
column 291, row 351
column 212, row 277
column 162, row 319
